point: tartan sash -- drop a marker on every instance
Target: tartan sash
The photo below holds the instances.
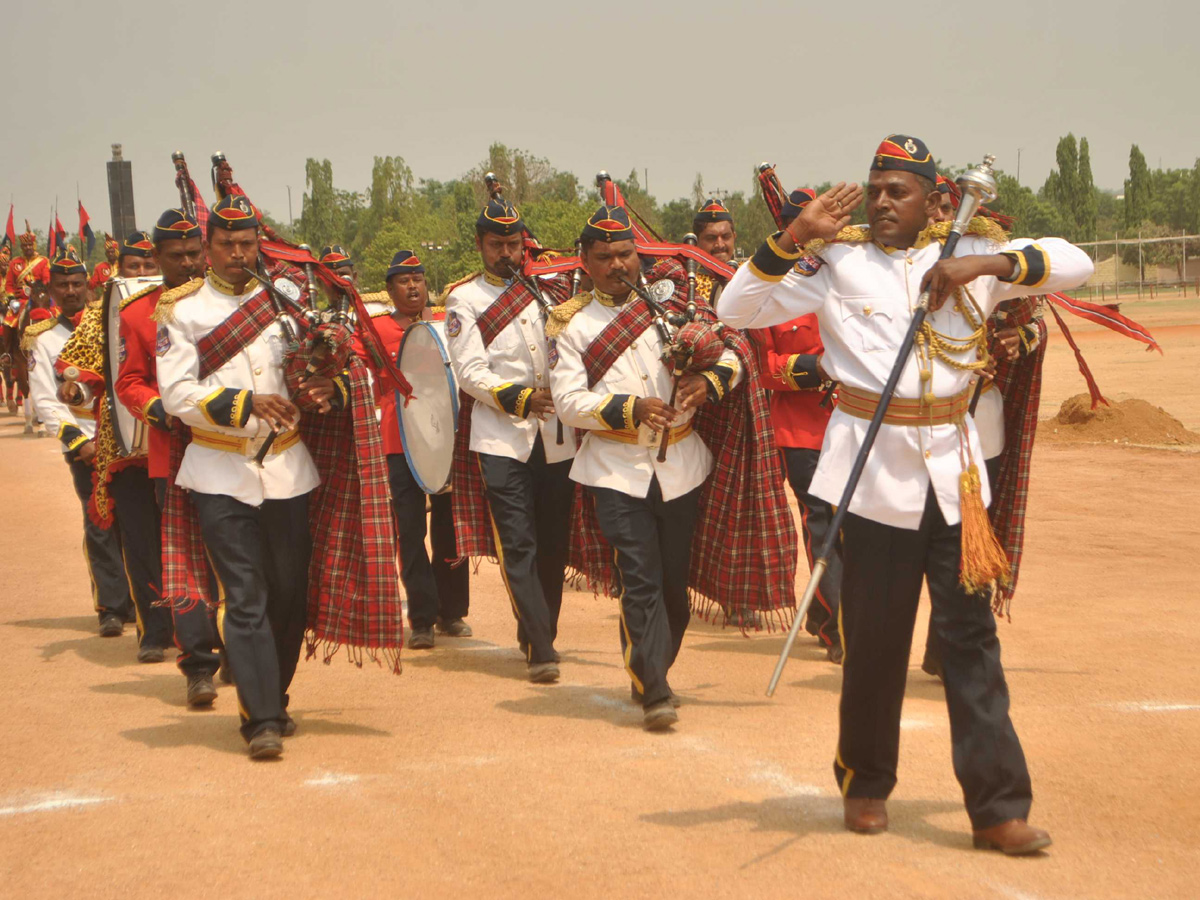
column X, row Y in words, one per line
column 233, row 335
column 630, row 324
column 503, row 310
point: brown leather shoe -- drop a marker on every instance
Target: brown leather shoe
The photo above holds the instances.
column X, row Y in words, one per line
column 864, row 815
column 1016, row 837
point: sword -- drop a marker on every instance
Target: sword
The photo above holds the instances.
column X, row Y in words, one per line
column 978, row 185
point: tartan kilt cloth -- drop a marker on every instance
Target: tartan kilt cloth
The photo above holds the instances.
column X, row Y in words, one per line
column 354, row 593
column 1020, row 384
column 744, row 549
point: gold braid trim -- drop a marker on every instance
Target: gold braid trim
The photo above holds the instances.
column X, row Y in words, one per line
column 445, row 294
column 84, row 349
column 980, row 226
column 164, row 310
column 31, row 333
column 932, row 345
column 560, row 316
column 139, row 295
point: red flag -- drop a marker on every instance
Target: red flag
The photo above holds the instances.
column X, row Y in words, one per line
column 51, row 245
column 87, row 237
column 60, row 233
column 10, row 233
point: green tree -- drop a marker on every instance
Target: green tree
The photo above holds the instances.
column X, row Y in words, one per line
column 1138, row 196
column 1085, row 216
column 321, row 219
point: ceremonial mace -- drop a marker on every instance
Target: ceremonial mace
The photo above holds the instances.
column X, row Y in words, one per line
column 978, row 186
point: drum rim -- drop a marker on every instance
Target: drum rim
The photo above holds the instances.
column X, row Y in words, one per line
column 441, row 348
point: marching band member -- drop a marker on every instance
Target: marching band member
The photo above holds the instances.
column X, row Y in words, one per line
column 797, row 389
column 136, row 257
column 179, row 254
column 905, row 522
column 120, row 481
column 22, row 272
column 438, row 593
column 254, row 521
column 646, row 509
column 75, row 427
column 497, row 344
column 714, row 229
column 108, row 268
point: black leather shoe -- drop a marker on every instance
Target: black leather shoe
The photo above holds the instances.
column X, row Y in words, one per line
column 267, row 744
column 200, row 690
column 421, row 639
column 289, row 725
column 151, row 655
column 111, row 626
column 454, row 628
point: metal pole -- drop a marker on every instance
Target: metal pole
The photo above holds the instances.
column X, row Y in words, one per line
column 1116, row 264
column 1141, row 269
column 1019, row 165
column 290, row 220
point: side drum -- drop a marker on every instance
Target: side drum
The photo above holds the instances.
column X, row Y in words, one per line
column 427, row 422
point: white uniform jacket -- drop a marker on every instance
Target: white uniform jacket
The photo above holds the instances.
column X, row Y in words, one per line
column 864, row 296
column 516, row 357
column 638, row 372
column 222, row 402
column 73, row 425
column 989, row 421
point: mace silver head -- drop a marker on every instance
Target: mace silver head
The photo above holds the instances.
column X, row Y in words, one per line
column 980, row 182
column 601, row 177
column 764, row 166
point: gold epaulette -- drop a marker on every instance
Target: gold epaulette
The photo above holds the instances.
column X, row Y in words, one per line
column 84, row 349
column 561, row 315
column 32, row 332
column 381, row 297
column 851, row 234
column 164, row 310
column 445, row 294
column 139, row 295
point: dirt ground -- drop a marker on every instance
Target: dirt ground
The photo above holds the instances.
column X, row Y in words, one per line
column 459, row 778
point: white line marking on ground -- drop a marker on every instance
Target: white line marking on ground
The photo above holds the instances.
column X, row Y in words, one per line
column 914, row 724
column 50, row 802
column 775, row 777
column 331, row 779
column 1157, row 707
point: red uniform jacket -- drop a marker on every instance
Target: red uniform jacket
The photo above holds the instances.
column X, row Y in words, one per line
column 390, row 332
column 797, row 414
column 14, row 283
column 137, row 377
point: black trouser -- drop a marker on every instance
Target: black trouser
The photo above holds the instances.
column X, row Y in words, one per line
column 816, row 516
column 653, row 540
column 880, row 589
column 453, row 575
column 195, row 626
column 140, row 523
column 261, row 556
column 933, row 658
column 530, row 504
column 102, row 547
column 424, row 582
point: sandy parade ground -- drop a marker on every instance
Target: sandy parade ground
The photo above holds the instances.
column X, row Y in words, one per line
column 460, row 778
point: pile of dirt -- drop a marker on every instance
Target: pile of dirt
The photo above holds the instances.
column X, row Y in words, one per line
column 1124, row 422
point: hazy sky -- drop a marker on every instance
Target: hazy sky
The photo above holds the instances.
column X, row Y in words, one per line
column 673, row 87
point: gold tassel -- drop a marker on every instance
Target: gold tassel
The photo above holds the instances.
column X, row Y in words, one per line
column 983, row 558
